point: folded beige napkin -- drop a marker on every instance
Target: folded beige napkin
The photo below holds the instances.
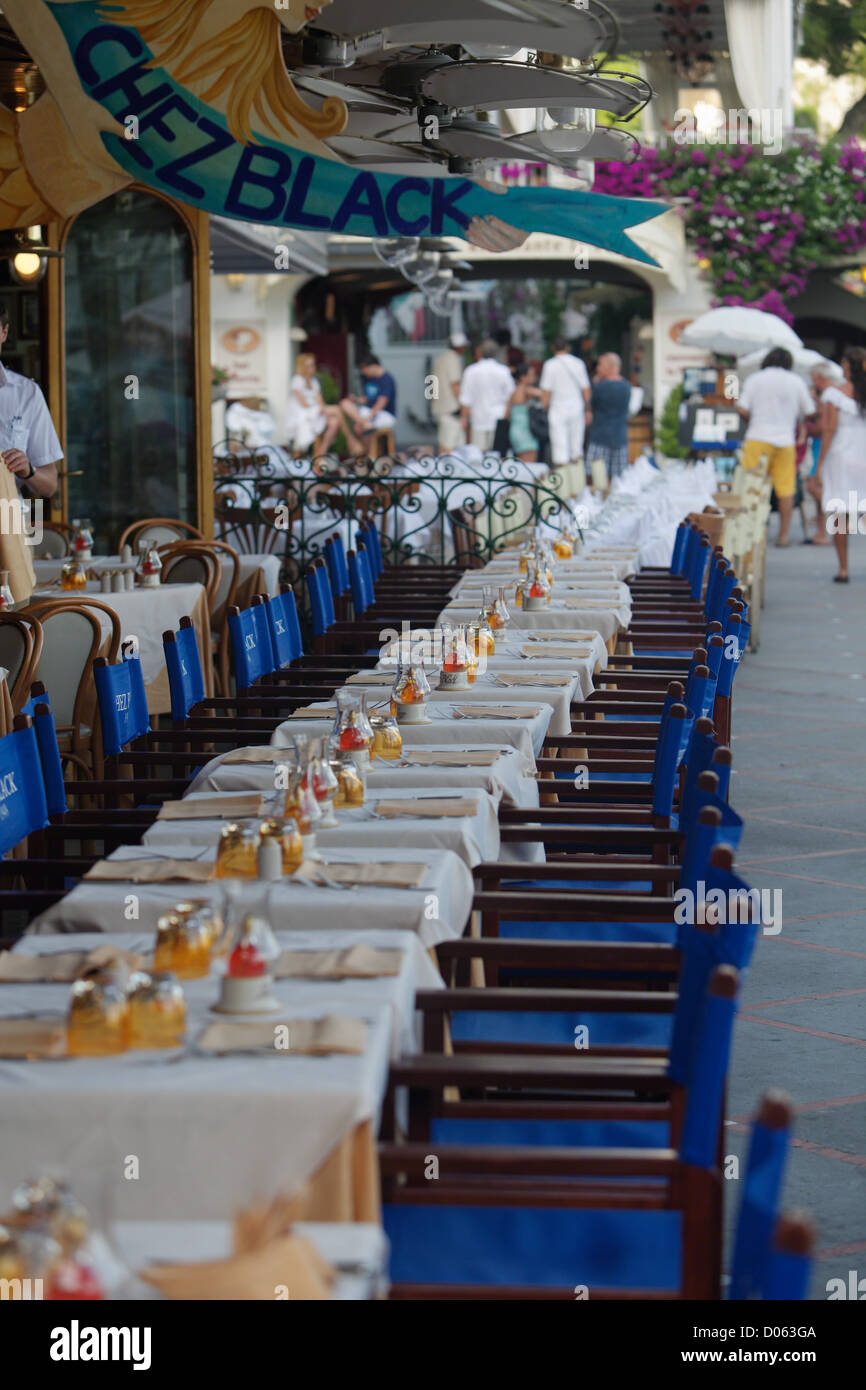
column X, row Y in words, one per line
column 593, row 603
column 256, row 755
column 314, row 1037
column 229, row 806
column 353, row 963
column 393, row 874
column 552, row 653
column 580, row 635
column 428, row 806
column 496, row 711
column 64, row 965
column 26, row 1038
column 452, row 757
column 151, row 870
column 521, row 678
column 308, row 712
column 289, row 1262
column 373, row 678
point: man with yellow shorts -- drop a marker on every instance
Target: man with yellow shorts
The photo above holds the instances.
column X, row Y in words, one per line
column 774, row 400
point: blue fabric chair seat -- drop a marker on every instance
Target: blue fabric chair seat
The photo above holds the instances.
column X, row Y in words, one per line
column 588, row 931
column 553, row 1134
column 648, row 1030
column 593, row 885
column 550, row 1247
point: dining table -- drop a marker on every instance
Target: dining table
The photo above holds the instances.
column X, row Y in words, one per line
column 497, row 771
column 436, row 907
column 145, row 614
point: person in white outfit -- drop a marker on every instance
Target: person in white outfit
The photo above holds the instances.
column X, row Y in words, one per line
column 484, row 395
column 566, row 390
column 842, row 461
column 445, row 405
column 309, row 421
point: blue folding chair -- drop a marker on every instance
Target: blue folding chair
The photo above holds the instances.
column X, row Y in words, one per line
column 23, row 805
column 503, row 1220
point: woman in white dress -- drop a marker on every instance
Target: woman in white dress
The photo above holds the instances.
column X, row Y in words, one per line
column 310, row 424
column 842, row 461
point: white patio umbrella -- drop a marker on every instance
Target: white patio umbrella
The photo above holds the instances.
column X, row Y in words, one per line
column 804, row 360
column 734, row 330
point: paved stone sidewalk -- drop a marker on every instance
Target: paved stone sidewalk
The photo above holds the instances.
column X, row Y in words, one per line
column 799, row 741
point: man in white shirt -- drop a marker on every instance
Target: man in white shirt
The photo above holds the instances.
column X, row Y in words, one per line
column 566, row 389
column 485, row 391
column 445, row 405
column 28, row 441
column 774, row 400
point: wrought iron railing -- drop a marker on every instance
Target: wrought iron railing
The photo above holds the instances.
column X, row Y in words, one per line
column 427, row 510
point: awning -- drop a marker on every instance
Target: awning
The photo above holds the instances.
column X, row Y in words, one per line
column 247, row 248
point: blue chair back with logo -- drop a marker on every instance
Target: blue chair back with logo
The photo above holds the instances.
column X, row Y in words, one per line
column 761, row 1194
column 23, row 808
column 290, row 613
column 285, row 633
column 681, row 540
column 359, row 580
column 338, row 570
column 708, row 1067
column 183, row 663
column 252, row 650
column 321, row 599
column 698, row 568
column 673, row 736
column 370, row 536
column 705, row 947
column 122, row 702
column 38, row 707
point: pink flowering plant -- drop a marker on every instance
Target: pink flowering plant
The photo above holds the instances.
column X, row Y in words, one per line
column 761, row 222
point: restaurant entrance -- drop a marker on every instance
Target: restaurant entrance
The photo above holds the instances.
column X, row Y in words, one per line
column 131, row 385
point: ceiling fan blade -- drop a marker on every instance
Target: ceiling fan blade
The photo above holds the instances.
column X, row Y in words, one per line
column 550, row 25
column 490, row 86
column 606, row 142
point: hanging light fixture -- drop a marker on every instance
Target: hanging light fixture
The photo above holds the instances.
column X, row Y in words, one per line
column 28, row 254
column 573, row 128
column 395, row 251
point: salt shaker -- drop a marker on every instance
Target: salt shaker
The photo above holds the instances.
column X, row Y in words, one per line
column 269, row 859
column 105, row 582
column 117, row 583
column 128, row 579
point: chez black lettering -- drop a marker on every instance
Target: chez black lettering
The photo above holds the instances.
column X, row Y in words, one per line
column 170, row 173
column 265, row 186
column 7, row 785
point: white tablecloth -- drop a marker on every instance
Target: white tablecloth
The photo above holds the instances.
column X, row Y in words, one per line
column 474, row 837
column 607, row 617
column 436, row 911
column 527, row 735
column 489, row 689
column 145, row 614
column 503, row 779
column 417, row 971
column 209, row 1133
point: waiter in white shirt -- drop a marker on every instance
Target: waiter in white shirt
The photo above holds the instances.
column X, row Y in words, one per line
column 28, row 439
column 565, row 396
column 445, row 406
column 485, row 391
